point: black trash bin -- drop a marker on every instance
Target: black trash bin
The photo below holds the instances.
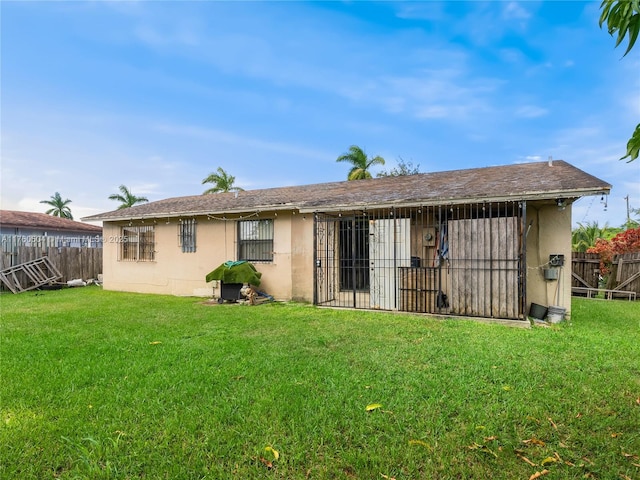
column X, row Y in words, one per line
column 230, row 291
column 233, row 275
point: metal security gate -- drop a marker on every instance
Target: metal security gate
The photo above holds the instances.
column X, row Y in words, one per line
column 453, row 260
column 389, row 248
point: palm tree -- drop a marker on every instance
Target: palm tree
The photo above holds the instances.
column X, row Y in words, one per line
column 127, row 199
column 361, row 163
column 59, row 208
column 223, row 182
column 586, row 235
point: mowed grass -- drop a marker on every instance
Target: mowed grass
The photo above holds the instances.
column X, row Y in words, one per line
column 106, row 385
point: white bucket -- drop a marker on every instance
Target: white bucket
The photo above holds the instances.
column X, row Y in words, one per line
column 555, row 314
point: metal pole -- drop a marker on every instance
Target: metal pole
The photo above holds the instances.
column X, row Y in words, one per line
column 628, row 216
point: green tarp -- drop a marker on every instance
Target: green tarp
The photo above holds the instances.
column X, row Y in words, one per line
column 236, row 272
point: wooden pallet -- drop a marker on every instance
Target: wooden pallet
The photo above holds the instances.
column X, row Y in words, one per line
column 30, row 275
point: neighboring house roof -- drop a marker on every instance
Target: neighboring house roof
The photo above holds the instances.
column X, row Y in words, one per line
column 512, row 182
column 14, row 219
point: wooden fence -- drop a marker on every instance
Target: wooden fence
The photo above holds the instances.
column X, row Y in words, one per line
column 72, row 262
column 585, row 268
column 624, row 275
column 11, row 242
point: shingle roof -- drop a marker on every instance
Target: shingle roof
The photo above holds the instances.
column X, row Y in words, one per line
column 511, row 182
column 12, row 218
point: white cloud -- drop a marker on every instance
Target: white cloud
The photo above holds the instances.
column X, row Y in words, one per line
column 515, row 11
column 590, row 146
column 531, row 111
column 442, row 94
column 178, row 37
column 222, row 136
column 511, row 55
column 140, row 189
column 430, row 11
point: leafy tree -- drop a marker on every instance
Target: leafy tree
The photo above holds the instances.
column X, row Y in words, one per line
column 623, row 17
column 587, row 235
column 624, row 242
column 633, row 145
column 403, row 168
column 360, row 162
column 59, row 208
column 223, row 182
column 126, row 198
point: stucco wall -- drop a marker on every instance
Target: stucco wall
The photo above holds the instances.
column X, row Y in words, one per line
column 176, row 273
column 172, row 272
column 302, row 267
column 290, row 276
column 550, row 233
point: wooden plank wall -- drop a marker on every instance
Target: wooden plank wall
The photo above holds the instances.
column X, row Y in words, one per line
column 484, row 267
column 72, row 262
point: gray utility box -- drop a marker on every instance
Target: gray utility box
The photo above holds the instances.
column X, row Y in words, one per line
column 550, row 273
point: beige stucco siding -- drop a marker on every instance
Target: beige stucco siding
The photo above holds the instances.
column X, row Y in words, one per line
column 290, row 276
column 172, row 272
column 176, row 273
column 550, row 233
column 276, row 275
column 302, row 267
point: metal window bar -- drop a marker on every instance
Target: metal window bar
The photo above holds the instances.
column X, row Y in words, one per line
column 255, row 240
column 137, row 243
column 187, row 235
column 463, row 259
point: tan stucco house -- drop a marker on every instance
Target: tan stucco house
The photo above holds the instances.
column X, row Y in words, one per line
column 484, row 242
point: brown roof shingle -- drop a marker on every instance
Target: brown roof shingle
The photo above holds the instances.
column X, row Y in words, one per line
column 12, row 218
column 520, row 181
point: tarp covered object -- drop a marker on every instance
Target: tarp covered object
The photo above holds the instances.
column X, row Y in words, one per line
column 236, row 272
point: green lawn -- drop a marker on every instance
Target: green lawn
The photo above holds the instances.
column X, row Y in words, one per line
column 104, row 385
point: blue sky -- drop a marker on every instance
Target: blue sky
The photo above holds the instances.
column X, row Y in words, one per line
column 156, row 95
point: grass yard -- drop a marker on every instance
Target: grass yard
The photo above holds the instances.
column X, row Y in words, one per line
column 106, row 385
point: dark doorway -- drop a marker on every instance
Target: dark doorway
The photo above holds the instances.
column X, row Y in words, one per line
column 354, row 254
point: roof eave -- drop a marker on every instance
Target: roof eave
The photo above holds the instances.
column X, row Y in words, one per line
column 196, row 213
column 575, row 193
column 539, row 195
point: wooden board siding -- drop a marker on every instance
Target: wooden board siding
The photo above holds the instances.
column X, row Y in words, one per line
column 326, row 271
column 483, row 261
column 418, row 289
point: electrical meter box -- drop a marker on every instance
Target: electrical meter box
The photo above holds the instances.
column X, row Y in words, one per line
column 556, row 260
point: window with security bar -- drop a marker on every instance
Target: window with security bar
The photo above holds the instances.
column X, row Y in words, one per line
column 187, row 235
column 255, row 240
column 137, row 243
